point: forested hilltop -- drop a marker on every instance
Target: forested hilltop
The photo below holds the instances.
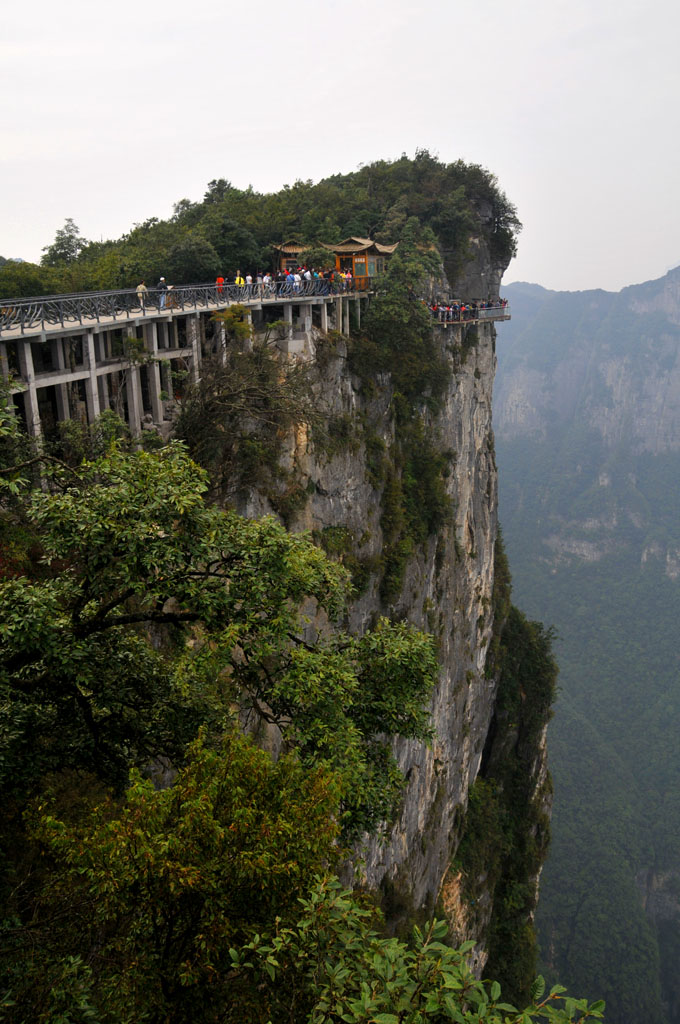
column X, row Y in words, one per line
column 208, row 718
column 587, row 423
column 234, row 229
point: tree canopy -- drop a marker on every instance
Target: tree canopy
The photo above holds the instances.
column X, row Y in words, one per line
column 234, row 229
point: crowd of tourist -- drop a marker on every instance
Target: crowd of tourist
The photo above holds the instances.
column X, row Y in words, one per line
column 288, row 282
column 291, row 282
column 455, row 311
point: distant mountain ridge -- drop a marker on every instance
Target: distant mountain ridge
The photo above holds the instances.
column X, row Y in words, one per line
column 587, row 425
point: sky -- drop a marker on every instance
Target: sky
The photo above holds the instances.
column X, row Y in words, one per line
column 111, row 113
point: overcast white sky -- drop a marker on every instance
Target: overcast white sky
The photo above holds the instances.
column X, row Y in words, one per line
column 110, row 113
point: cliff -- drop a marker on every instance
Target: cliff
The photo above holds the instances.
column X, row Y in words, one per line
column 430, row 469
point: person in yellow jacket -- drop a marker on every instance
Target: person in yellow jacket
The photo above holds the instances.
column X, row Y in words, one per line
column 238, row 280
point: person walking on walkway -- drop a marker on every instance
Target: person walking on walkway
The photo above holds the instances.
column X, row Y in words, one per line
column 162, row 293
column 142, row 292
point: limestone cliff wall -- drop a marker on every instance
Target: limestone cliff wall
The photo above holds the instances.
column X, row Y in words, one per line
column 447, row 588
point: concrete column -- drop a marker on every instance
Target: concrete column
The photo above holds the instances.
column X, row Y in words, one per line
column 133, row 392
column 345, row 316
column 104, row 394
column 222, row 342
column 31, row 393
column 91, row 386
column 61, row 390
column 154, row 373
column 338, row 314
column 324, row 316
column 358, row 308
column 306, row 317
column 166, row 378
column 288, row 317
column 193, row 337
column 248, row 343
column 4, row 362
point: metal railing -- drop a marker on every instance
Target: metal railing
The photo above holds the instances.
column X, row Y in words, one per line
column 86, row 308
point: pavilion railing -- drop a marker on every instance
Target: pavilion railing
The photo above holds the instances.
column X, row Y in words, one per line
column 86, row 308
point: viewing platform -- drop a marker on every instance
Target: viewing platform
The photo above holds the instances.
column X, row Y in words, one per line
column 73, row 356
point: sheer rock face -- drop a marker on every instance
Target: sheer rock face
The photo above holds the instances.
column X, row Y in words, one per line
column 446, row 590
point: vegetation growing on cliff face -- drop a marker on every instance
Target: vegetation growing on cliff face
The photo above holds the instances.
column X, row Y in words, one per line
column 234, row 228
column 506, row 832
column 149, row 614
column 235, row 418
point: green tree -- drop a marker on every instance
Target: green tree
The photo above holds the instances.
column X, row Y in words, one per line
column 192, row 260
column 130, row 545
column 333, row 966
column 153, row 893
column 67, row 245
column 23, row 280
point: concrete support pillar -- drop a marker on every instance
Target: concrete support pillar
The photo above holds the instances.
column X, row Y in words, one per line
column 61, row 390
column 222, row 341
column 133, row 392
column 358, row 309
column 91, row 386
column 194, row 339
column 4, row 362
column 166, row 378
column 324, row 316
column 248, row 343
column 288, row 317
column 31, row 393
column 4, row 370
column 154, row 373
column 338, row 314
column 345, row 316
column 306, row 317
column 104, row 393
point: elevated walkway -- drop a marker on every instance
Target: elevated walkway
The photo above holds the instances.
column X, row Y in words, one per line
column 72, row 356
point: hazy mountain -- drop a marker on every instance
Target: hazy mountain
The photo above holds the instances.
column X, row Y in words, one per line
column 587, row 421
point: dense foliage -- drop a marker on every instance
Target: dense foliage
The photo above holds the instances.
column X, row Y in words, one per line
column 234, row 229
column 137, row 616
column 506, row 832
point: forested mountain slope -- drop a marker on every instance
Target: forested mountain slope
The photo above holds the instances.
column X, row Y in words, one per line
column 587, row 423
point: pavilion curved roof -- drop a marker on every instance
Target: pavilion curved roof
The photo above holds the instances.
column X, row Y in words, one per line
column 355, row 244
column 349, row 246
